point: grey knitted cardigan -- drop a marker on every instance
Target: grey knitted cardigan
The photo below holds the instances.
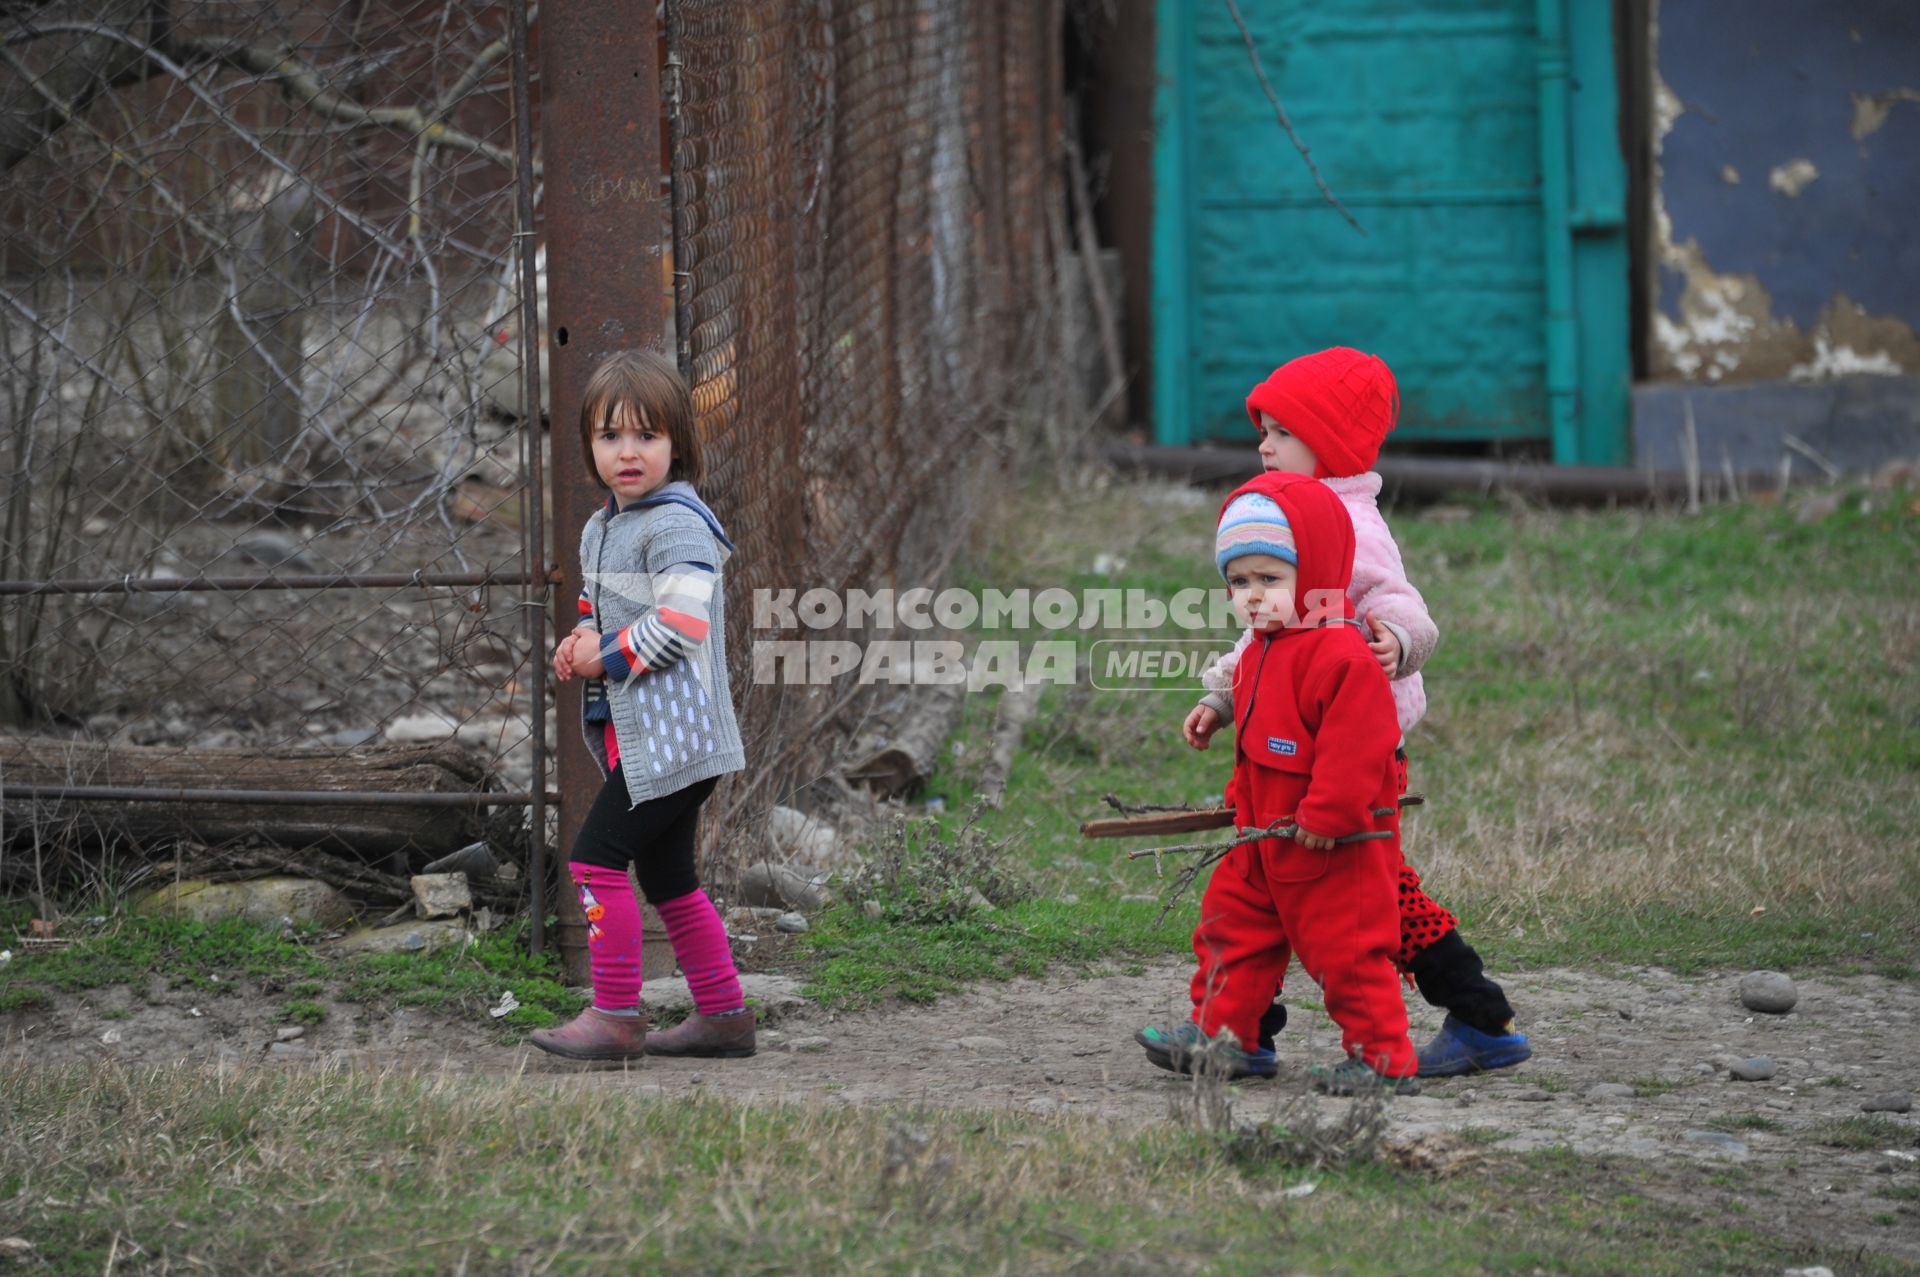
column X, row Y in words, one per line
column 675, row 726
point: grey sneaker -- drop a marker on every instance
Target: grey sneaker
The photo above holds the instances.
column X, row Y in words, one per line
column 1353, row 1077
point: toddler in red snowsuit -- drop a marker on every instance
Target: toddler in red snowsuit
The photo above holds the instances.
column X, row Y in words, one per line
column 1314, row 749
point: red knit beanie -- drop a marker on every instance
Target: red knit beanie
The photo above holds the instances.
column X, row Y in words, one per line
column 1340, row 402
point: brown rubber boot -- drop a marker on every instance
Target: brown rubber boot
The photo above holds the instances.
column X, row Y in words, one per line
column 595, row 1035
column 709, row 1036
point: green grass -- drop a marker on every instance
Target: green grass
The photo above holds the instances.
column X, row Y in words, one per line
column 215, row 957
column 271, row 1170
column 303, row 1011
column 1863, row 1133
column 468, row 981
column 1642, row 727
column 23, row 997
column 856, row 960
column 223, row 957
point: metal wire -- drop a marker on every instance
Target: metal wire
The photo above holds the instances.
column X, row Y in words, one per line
column 269, row 295
column 859, row 213
column 270, row 481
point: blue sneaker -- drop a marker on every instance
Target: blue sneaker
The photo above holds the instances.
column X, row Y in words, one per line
column 1460, row 1048
column 1176, row 1050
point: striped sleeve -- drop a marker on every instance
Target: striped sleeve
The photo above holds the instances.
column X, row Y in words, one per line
column 586, row 606
column 671, row 630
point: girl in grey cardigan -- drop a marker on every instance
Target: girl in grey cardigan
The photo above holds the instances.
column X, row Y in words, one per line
column 657, row 714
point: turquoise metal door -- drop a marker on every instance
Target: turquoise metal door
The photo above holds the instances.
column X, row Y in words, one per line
column 1476, row 143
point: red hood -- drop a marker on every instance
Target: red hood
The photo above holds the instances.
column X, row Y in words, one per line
column 1322, row 537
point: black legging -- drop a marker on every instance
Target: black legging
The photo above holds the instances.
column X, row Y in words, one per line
column 657, row 836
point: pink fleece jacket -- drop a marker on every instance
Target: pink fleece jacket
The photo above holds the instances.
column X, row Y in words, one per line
column 1380, row 591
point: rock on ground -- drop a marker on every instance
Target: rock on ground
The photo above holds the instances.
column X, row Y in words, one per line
column 763, row 992
column 1769, row 992
column 404, row 937
column 266, row 902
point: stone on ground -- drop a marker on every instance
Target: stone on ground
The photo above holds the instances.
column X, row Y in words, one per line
column 1768, row 992
column 404, row 937
column 266, row 902
column 763, row 992
column 441, row 895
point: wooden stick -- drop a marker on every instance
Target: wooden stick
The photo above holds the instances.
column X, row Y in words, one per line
column 1217, row 851
column 1167, row 822
column 1180, row 822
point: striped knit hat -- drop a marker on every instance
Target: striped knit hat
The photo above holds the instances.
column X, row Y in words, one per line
column 1253, row 524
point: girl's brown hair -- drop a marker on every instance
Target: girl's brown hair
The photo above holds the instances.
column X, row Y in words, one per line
column 652, row 384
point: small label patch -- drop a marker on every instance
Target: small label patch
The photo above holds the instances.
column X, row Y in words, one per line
column 1284, row 748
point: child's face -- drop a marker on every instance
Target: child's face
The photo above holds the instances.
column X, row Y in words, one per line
column 1282, row 451
column 632, row 457
column 1261, row 587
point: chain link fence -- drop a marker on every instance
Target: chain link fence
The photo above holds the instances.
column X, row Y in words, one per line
column 867, row 301
column 267, row 514
column 264, row 512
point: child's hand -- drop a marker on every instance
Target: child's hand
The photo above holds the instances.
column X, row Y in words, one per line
column 586, row 653
column 563, row 659
column 1312, row 841
column 1386, row 648
column 1200, row 726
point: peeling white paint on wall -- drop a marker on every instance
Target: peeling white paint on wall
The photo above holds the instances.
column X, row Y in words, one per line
column 1724, row 327
column 1667, row 108
column 1718, row 313
column 1831, row 361
column 1793, row 177
column 1870, row 110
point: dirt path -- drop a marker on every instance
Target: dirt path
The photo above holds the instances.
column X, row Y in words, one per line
column 1804, row 1148
column 1064, row 1046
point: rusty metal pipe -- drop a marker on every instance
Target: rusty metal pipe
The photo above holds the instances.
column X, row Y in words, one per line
column 306, row 581
column 263, row 797
column 1442, row 476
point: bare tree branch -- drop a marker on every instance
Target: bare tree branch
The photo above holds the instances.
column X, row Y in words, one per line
column 1253, row 55
column 71, row 78
column 301, row 84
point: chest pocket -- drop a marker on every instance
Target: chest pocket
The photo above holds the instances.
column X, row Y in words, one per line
column 1274, row 734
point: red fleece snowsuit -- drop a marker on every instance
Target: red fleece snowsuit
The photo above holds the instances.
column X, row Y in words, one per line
column 1315, row 733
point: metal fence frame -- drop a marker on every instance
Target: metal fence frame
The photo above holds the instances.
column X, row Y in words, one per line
column 980, row 191
column 529, row 578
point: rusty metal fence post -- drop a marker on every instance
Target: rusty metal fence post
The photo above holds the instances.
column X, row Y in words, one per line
column 600, row 128
column 532, row 398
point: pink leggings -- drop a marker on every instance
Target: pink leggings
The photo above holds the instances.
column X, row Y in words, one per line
column 658, row 836
column 694, row 928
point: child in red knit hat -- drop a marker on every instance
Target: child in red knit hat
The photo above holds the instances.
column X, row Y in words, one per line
column 1326, row 415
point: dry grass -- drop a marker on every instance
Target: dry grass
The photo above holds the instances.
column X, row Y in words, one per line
column 252, row 1168
column 1642, row 726
column 257, row 1169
